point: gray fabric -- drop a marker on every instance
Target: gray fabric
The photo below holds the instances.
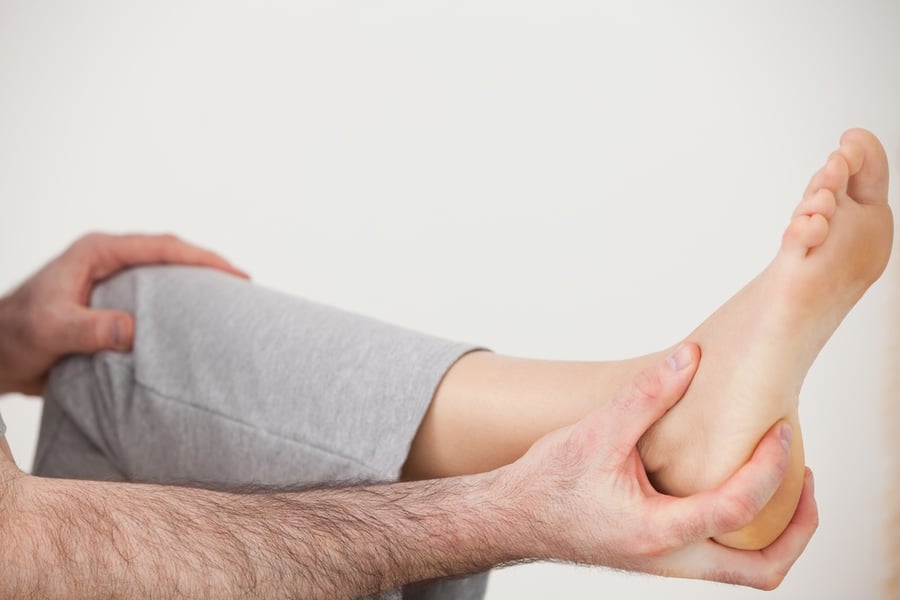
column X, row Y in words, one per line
column 230, row 383
column 2, row 427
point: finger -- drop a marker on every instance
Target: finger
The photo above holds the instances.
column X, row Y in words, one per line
column 791, row 543
column 622, row 422
column 763, row 569
column 111, row 253
column 92, row 330
column 735, row 503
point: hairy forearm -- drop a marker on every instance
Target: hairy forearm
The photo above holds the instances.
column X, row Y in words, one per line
column 84, row 539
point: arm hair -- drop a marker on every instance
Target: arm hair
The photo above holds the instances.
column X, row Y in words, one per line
column 76, row 539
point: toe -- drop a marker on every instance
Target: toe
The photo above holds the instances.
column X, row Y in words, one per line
column 868, row 166
column 805, row 232
column 833, row 176
column 815, row 231
column 821, row 202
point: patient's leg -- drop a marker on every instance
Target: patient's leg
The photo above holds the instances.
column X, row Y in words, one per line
column 229, row 383
column 757, row 349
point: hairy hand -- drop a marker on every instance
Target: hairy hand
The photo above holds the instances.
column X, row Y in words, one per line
column 586, row 494
column 48, row 317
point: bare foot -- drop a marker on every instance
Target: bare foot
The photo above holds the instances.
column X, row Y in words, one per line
column 758, row 347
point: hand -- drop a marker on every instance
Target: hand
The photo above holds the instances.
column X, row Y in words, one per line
column 587, row 495
column 48, row 317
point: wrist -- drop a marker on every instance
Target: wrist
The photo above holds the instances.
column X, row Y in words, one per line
column 416, row 531
column 511, row 515
column 441, row 528
column 502, row 523
column 536, row 490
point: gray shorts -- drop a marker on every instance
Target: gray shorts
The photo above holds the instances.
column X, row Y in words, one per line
column 229, row 383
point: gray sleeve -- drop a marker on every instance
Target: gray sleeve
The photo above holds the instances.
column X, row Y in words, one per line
column 2, row 426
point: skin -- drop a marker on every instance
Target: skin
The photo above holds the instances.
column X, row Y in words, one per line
column 4, row 448
column 579, row 494
column 47, row 316
column 757, row 348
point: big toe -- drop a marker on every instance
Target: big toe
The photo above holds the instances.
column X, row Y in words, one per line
column 868, row 165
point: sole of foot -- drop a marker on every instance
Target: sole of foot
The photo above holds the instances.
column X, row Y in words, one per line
column 758, row 347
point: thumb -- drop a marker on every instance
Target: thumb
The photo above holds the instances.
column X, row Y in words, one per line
column 623, row 420
column 94, row 330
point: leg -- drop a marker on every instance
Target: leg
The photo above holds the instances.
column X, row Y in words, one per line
column 65, row 450
column 231, row 384
column 220, row 366
column 757, row 349
column 489, row 409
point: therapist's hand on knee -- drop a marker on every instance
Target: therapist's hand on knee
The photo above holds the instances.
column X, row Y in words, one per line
column 48, row 317
column 584, row 496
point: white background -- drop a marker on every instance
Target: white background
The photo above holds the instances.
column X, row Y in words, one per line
column 559, row 179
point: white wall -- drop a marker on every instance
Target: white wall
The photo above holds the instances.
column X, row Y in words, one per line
column 559, row 179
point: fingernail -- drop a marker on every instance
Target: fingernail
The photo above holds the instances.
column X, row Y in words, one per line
column 812, row 483
column 787, row 434
column 680, row 359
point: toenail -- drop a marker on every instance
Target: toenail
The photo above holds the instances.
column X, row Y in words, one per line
column 680, row 359
column 786, row 435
